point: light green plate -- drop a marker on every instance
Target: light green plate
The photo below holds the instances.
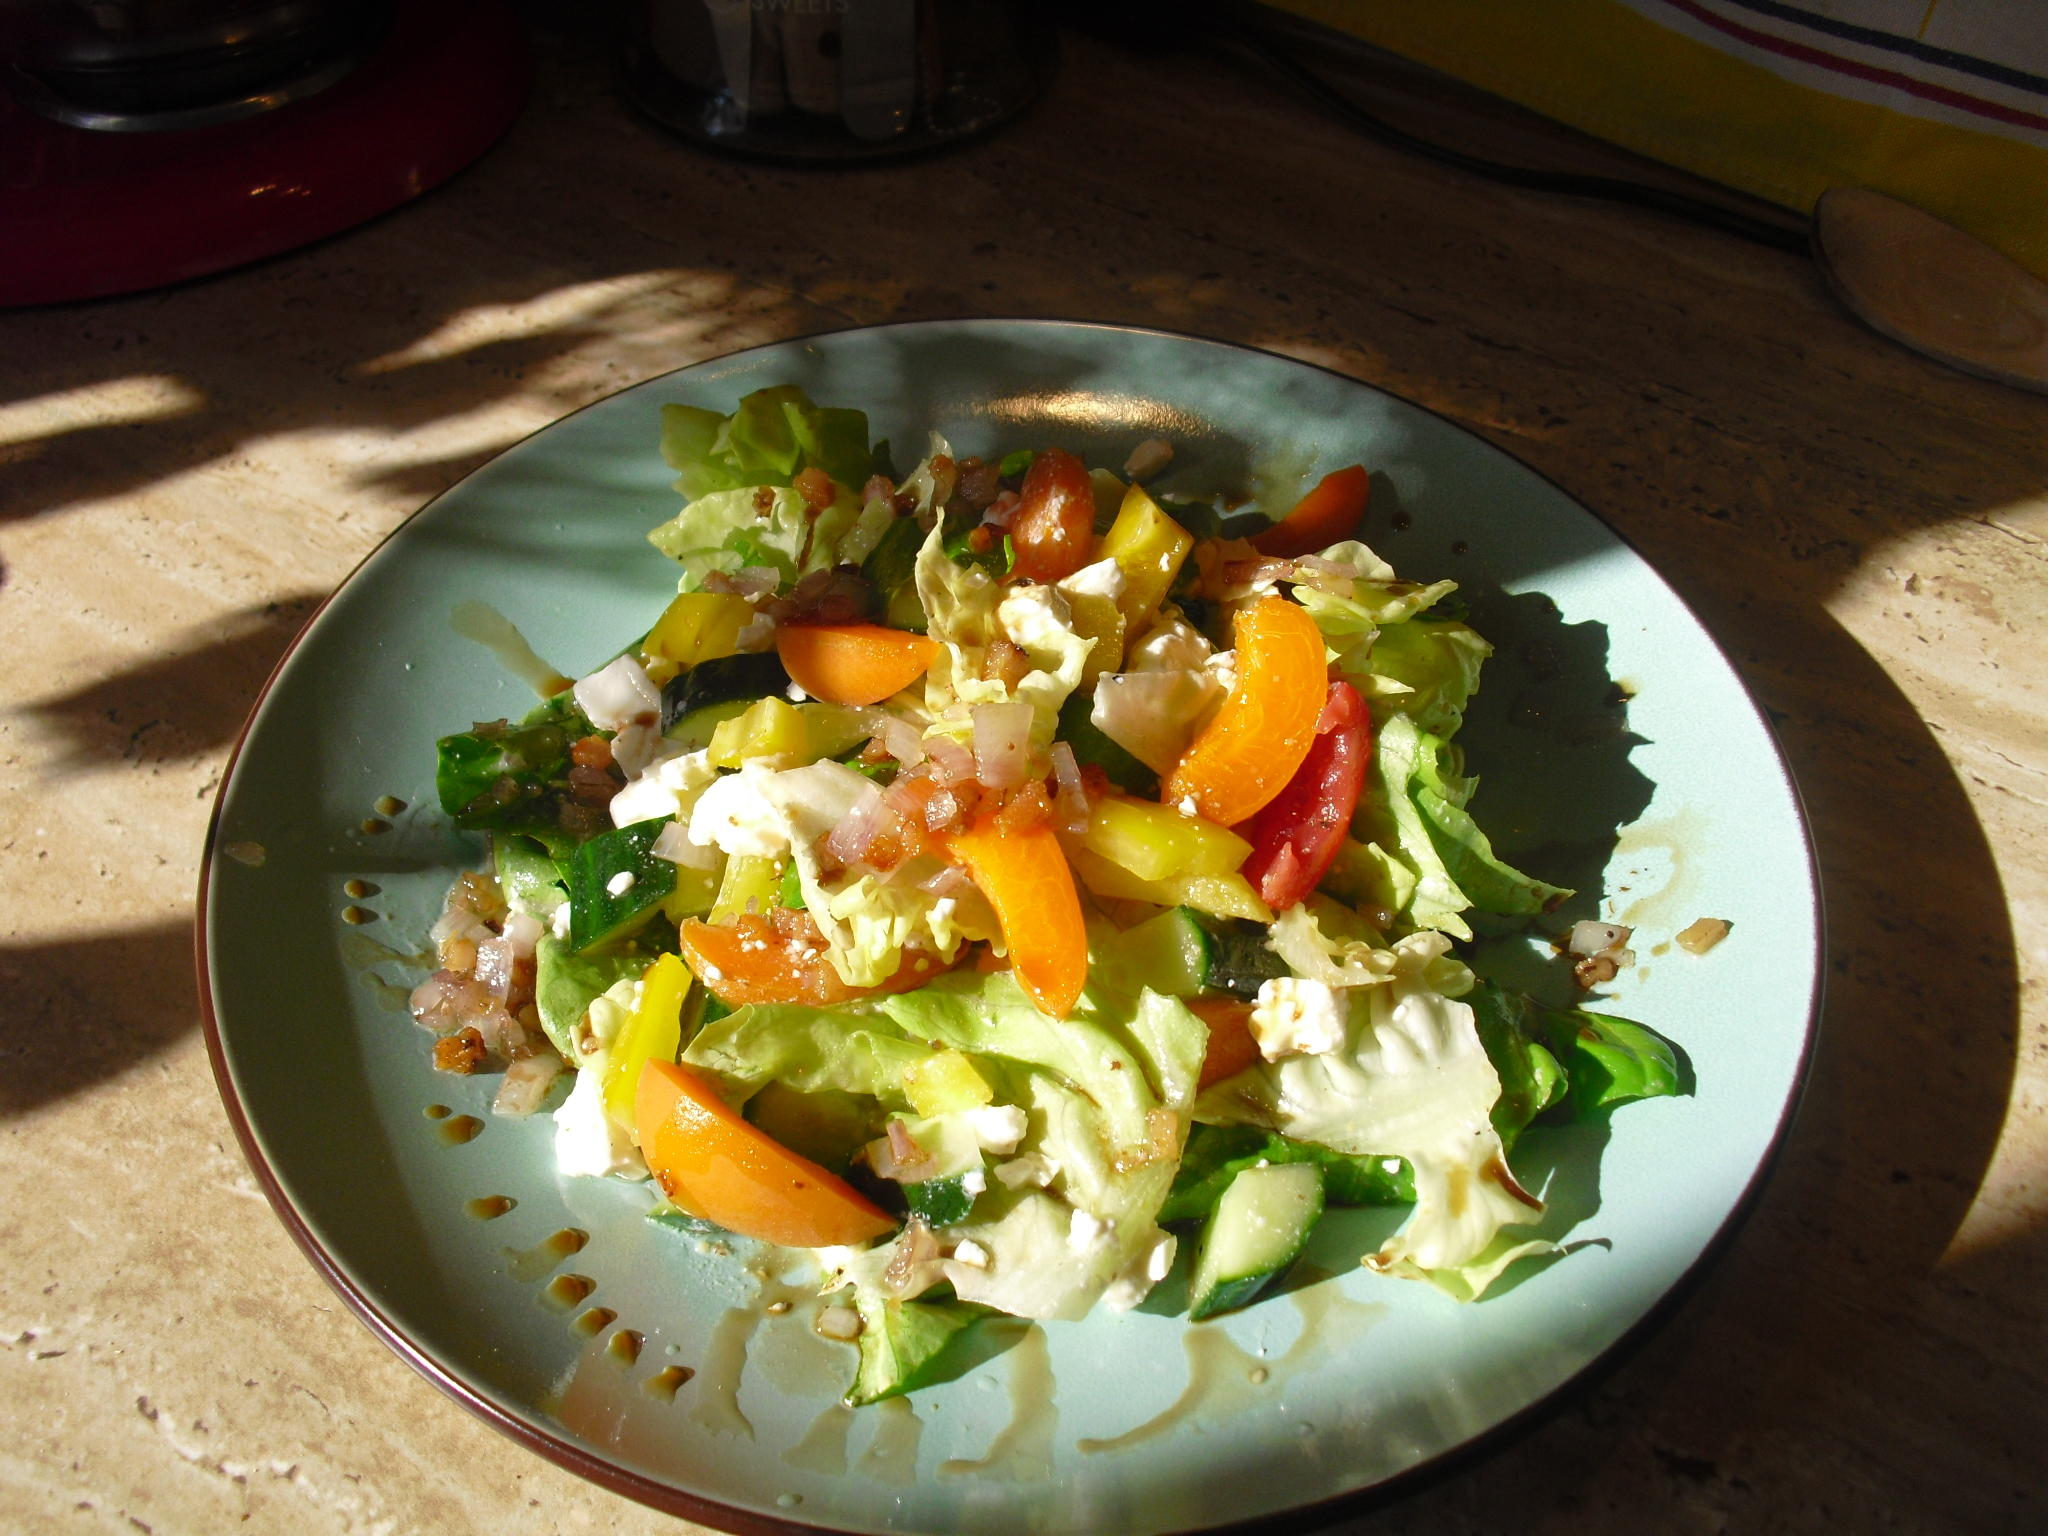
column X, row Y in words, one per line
column 1128, row 1423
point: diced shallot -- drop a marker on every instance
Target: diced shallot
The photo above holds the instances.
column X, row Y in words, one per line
column 904, row 741
column 949, row 880
column 849, row 841
column 526, row 1084
column 914, row 1267
column 1002, row 744
column 838, row 1322
column 673, row 843
column 1071, row 801
column 494, row 962
column 1590, row 937
column 522, row 932
column 951, row 762
column 942, row 810
column 617, row 694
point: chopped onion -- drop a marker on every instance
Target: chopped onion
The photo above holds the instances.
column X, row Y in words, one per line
column 951, row 762
column 526, row 1084
column 522, row 932
column 897, row 1156
column 494, row 962
column 673, row 843
column 617, row 694
column 1148, row 459
column 914, row 1267
column 942, row 810
column 1589, row 937
column 1071, row 802
column 837, row 1322
column 950, row 880
column 903, row 740
column 1002, row 744
column 850, row 839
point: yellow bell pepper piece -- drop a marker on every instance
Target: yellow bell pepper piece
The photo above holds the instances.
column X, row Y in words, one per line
column 1229, row 895
column 945, row 1082
column 652, row 1032
column 749, row 877
column 696, row 626
column 1156, row 842
column 1148, row 546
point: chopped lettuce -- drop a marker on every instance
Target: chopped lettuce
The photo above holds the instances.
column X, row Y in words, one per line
column 770, row 528
column 772, row 436
column 1412, row 1081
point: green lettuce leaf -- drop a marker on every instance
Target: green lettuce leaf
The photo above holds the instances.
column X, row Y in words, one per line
column 771, row 527
column 1414, row 1081
column 772, row 436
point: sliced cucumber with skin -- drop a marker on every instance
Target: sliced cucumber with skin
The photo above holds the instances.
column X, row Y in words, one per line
column 692, row 732
column 1260, row 1227
column 946, row 1200
column 746, row 677
column 1170, row 953
column 598, row 914
column 531, row 881
column 1241, row 958
column 1077, row 728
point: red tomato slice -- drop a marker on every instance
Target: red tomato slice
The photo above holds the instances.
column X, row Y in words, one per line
column 1296, row 837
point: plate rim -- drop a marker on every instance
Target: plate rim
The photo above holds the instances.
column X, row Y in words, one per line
column 667, row 1497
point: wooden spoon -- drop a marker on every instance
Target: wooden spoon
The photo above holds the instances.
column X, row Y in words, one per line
column 1927, row 285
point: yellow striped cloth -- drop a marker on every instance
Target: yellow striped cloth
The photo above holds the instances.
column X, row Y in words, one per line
column 1940, row 103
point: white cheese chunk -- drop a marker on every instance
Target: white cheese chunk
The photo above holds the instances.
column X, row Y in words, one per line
column 1294, row 1016
column 588, row 1142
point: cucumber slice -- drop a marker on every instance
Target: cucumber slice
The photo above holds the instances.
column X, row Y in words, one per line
column 746, row 677
column 1217, row 1154
column 1170, row 953
column 531, row 881
column 693, row 731
column 1241, row 959
column 598, row 913
column 946, row 1200
column 1260, row 1226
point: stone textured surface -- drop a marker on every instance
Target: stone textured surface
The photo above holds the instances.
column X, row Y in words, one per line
column 184, row 473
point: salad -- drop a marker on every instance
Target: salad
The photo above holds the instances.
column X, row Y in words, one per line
column 1007, row 879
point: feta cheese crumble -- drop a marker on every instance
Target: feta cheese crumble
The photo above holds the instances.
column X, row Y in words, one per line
column 1294, row 1016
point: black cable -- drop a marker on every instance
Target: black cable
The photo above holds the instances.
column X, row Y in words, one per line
column 1572, row 183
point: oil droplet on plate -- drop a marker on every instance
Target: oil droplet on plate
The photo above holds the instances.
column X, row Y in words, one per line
column 532, row 1263
column 249, row 853
column 460, row 1128
column 373, row 825
column 590, row 1324
column 665, row 1382
column 438, row 1111
column 625, row 1345
column 357, row 890
column 788, row 1500
column 891, row 1457
column 725, row 1359
column 357, row 916
column 566, row 1291
column 489, row 1207
column 389, row 805
column 823, row 1447
column 1022, row 1449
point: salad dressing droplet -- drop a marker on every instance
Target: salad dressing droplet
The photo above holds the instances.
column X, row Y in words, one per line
column 665, row 1382
column 1220, row 1380
column 497, row 634
column 389, row 805
column 593, row 1322
column 461, row 1128
column 823, row 1447
column 374, row 826
column 356, row 916
column 489, row 1207
column 625, row 1345
column 725, row 1361
column 891, row 1457
column 357, row 890
column 437, row 1111
column 529, row 1264
column 566, row 1291
column 1022, row 1449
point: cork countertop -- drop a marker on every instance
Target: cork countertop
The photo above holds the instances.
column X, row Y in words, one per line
column 183, row 475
